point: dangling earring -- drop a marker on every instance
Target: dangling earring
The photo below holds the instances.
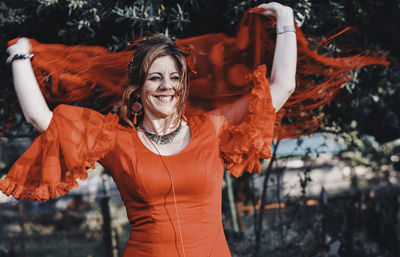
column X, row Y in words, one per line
column 137, row 110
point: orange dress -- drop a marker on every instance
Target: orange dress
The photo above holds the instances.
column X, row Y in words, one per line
column 77, row 137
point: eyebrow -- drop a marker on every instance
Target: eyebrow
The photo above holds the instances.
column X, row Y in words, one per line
column 159, row 73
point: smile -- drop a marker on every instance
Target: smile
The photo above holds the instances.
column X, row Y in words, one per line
column 165, row 98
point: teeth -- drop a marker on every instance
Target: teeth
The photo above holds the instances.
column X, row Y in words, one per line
column 164, row 98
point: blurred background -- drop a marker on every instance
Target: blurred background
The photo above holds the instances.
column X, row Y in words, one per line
column 332, row 193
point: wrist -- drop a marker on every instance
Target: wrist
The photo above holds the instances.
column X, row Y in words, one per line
column 285, row 29
column 18, row 57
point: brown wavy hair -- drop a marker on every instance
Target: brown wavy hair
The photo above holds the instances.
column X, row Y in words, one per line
column 146, row 51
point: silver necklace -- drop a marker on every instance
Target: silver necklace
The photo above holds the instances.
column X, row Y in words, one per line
column 162, row 139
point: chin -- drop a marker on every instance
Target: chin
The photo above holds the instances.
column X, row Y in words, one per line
column 164, row 109
column 166, row 114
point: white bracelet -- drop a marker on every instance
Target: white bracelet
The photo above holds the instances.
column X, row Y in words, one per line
column 14, row 57
column 284, row 29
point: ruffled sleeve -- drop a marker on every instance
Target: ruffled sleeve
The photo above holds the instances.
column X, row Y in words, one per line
column 243, row 145
column 75, row 139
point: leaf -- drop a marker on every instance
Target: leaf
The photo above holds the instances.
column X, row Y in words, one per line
column 120, row 19
column 115, row 38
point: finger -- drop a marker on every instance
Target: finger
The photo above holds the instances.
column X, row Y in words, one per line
column 269, row 9
column 10, row 49
column 24, row 42
column 271, row 5
column 22, row 39
column 256, row 10
column 261, row 11
column 269, row 13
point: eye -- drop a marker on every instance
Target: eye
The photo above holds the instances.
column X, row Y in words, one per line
column 176, row 78
column 154, row 78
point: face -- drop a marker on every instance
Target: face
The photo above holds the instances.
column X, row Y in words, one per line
column 159, row 92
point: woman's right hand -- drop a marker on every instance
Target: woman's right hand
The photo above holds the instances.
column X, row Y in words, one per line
column 22, row 46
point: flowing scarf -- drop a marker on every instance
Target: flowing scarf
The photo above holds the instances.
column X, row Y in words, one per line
column 95, row 77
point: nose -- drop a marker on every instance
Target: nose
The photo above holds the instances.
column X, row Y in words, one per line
column 167, row 84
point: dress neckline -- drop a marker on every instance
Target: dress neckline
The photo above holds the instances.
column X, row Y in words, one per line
column 191, row 126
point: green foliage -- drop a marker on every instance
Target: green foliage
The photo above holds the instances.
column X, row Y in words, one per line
column 379, row 162
column 370, row 104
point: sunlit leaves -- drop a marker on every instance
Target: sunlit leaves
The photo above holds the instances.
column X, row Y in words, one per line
column 154, row 17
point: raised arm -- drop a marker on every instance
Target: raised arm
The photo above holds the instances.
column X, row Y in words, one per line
column 283, row 73
column 282, row 81
column 31, row 100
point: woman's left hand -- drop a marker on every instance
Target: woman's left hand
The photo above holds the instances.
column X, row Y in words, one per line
column 283, row 72
column 283, row 14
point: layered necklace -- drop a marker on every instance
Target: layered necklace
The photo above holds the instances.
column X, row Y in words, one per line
column 162, row 139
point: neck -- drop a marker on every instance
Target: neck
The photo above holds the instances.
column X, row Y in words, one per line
column 160, row 126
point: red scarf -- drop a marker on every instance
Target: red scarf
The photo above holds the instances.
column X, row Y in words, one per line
column 84, row 74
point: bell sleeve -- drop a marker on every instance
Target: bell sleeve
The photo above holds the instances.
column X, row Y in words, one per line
column 243, row 144
column 75, row 139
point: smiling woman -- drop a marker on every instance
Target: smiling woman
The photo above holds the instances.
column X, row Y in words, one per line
column 158, row 65
column 168, row 168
